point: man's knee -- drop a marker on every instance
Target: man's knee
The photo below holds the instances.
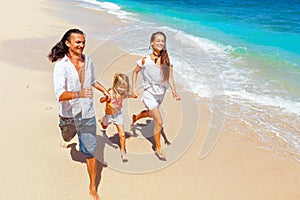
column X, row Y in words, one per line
column 88, row 144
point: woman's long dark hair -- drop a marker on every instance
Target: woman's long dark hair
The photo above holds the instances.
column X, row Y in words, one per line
column 60, row 49
column 164, row 57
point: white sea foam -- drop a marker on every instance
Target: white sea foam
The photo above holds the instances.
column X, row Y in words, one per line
column 201, row 43
column 108, row 7
column 209, row 69
column 266, row 100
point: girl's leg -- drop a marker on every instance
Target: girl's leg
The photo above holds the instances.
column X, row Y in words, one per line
column 120, row 128
column 101, row 122
column 158, row 124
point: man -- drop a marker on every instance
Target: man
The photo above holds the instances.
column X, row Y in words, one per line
column 73, row 82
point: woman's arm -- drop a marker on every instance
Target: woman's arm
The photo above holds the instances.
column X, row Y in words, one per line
column 172, row 85
column 134, row 78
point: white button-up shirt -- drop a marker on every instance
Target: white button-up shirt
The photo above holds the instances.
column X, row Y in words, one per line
column 66, row 78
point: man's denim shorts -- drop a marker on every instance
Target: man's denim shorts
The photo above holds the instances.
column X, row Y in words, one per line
column 86, row 130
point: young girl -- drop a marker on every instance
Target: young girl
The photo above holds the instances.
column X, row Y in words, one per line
column 113, row 108
column 157, row 73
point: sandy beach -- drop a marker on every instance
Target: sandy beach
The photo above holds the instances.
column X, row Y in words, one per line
column 36, row 166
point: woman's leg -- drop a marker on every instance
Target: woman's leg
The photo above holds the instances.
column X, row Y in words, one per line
column 158, row 124
column 143, row 114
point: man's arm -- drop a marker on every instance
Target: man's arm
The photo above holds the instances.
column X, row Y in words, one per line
column 101, row 88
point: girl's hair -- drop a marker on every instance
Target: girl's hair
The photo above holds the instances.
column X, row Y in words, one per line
column 120, row 79
column 164, row 57
column 60, row 49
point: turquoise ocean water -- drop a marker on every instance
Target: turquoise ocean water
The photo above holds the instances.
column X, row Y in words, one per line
column 244, row 53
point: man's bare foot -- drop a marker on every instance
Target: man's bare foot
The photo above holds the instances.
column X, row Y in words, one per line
column 94, row 194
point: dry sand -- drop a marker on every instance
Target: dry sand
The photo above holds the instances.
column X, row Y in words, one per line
column 35, row 166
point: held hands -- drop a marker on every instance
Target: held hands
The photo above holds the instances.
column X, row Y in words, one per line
column 134, row 94
column 102, row 99
column 106, row 98
column 176, row 96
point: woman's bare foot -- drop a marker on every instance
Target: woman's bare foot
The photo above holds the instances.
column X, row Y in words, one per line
column 94, row 194
column 160, row 155
column 123, row 156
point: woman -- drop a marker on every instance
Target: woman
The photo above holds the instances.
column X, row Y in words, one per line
column 157, row 73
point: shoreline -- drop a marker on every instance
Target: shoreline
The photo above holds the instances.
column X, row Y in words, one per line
column 267, row 109
column 35, row 164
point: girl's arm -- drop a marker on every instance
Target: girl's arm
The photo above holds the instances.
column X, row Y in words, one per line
column 102, row 99
column 134, row 78
column 172, row 85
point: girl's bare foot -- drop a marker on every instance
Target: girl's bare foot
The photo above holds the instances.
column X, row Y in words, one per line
column 103, row 126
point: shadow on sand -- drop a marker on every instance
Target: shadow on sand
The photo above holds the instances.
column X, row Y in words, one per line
column 115, row 139
column 78, row 156
column 147, row 132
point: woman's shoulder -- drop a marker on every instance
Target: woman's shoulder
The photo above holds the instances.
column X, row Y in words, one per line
column 142, row 60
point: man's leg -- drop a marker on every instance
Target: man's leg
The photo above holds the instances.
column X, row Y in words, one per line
column 88, row 142
column 91, row 164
